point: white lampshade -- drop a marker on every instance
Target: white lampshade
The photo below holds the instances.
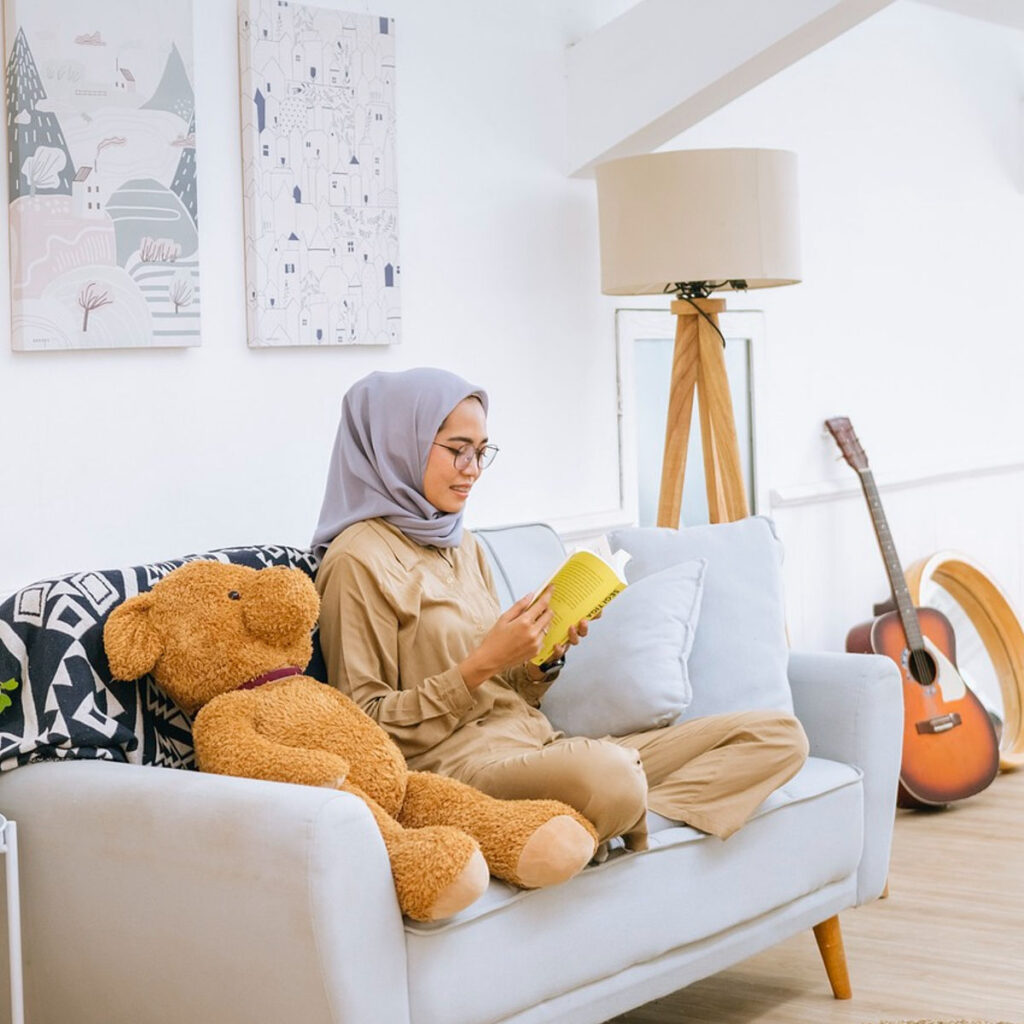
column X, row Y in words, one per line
column 699, row 215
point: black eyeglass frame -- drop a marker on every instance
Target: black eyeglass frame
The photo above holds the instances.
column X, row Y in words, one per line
column 484, row 455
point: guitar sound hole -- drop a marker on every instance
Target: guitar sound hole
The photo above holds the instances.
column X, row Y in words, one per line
column 922, row 667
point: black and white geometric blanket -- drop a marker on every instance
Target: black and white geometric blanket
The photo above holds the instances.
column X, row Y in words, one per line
column 57, row 700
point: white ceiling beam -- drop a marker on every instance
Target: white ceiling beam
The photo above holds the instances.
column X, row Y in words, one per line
column 664, row 65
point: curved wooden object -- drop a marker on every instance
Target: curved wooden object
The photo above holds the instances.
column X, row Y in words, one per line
column 1000, row 629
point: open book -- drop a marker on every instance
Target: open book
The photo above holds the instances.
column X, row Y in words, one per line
column 583, row 584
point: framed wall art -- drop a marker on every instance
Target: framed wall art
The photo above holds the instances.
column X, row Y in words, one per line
column 321, row 196
column 101, row 174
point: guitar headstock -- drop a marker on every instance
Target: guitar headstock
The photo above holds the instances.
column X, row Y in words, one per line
column 842, row 430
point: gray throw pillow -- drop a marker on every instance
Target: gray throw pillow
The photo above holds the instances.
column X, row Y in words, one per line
column 740, row 653
column 629, row 673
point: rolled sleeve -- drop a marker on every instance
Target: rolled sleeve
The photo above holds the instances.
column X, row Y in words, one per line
column 518, row 679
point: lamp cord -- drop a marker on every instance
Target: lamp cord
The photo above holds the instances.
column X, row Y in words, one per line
column 678, row 291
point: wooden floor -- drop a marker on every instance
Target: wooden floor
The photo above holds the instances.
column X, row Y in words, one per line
column 947, row 944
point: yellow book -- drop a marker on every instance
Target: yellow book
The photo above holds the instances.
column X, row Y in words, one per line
column 583, row 584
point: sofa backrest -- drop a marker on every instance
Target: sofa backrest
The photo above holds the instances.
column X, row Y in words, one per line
column 58, row 698
column 521, row 557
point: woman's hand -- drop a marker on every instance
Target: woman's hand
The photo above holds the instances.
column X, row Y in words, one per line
column 516, row 637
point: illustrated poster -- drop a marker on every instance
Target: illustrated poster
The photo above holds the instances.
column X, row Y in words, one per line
column 321, row 195
column 101, row 174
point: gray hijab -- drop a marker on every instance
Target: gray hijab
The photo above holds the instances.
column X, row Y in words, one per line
column 388, row 423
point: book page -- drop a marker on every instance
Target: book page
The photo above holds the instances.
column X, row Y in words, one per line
column 583, row 585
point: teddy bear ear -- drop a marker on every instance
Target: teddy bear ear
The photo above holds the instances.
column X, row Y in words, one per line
column 131, row 643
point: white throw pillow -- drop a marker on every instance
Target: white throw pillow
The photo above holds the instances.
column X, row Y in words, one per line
column 629, row 673
column 740, row 653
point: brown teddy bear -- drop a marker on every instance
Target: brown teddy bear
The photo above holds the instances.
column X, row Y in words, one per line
column 228, row 643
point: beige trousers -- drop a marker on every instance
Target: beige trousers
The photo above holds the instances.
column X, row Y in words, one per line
column 710, row 773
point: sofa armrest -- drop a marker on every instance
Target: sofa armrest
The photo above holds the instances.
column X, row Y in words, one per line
column 165, row 895
column 851, row 707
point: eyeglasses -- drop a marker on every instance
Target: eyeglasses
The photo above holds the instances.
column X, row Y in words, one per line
column 462, row 458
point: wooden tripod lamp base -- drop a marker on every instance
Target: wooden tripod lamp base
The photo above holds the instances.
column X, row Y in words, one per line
column 698, row 367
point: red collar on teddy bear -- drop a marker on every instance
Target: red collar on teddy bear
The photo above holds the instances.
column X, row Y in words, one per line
column 269, row 677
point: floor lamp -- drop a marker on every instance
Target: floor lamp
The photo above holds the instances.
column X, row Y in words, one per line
column 690, row 223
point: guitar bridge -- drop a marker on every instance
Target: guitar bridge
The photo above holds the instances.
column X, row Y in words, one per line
column 940, row 723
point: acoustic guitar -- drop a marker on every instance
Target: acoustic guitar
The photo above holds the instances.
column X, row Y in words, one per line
column 950, row 749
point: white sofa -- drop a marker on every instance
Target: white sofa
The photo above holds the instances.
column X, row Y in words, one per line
column 152, row 894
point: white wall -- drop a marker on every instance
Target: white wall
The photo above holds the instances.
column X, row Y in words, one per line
column 112, row 458
column 908, row 130
column 909, row 317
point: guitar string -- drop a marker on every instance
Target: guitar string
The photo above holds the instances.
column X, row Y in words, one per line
column 919, row 657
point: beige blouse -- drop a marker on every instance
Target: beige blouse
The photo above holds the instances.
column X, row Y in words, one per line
column 395, row 621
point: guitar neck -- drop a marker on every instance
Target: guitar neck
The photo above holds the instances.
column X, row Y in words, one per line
column 897, row 581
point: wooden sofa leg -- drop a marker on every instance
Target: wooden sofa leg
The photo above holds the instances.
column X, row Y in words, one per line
column 830, row 945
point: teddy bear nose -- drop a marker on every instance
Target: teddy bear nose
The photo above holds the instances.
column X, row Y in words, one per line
column 280, row 605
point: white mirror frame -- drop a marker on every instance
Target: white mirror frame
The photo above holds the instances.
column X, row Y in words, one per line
column 633, row 325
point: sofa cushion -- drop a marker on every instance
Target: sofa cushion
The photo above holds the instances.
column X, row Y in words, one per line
column 64, row 702
column 630, row 673
column 740, row 652
column 565, row 936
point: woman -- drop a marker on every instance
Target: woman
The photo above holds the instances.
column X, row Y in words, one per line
column 411, row 630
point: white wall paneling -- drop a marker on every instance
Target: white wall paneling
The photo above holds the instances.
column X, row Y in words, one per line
column 834, row 571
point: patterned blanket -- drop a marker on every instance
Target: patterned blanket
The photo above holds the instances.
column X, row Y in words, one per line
column 57, row 699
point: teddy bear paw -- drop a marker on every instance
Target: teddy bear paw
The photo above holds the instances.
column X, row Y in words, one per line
column 463, row 891
column 559, row 849
column 438, row 870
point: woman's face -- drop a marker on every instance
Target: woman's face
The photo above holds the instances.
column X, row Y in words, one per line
column 444, row 486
